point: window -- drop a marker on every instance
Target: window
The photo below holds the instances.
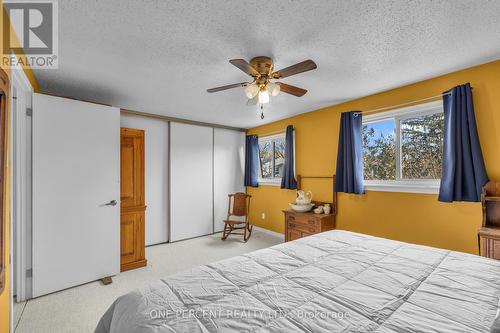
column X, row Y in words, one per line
column 272, row 158
column 403, row 149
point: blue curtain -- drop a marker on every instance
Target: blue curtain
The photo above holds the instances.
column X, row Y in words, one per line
column 464, row 173
column 251, row 160
column 288, row 180
column 350, row 156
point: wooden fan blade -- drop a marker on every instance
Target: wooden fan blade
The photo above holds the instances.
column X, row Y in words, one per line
column 229, row 86
column 301, row 67
column 244, row 66
column 292, row 90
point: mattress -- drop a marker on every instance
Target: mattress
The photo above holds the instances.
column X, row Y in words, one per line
column 336, row 281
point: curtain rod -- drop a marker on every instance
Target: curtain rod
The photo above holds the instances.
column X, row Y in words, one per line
column 273, row 133
column 406, row 103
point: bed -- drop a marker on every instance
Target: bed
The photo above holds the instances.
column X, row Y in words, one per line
column 336, row 281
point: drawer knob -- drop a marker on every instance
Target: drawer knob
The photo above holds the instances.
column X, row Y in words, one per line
column 312, row 221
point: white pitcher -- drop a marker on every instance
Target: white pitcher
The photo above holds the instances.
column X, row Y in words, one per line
column 303, row 198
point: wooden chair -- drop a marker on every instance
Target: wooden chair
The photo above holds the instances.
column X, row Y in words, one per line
column 239, row 206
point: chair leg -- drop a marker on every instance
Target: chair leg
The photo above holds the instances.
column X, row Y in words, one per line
column 228, row 228
column 248, row 228
column 224, row 233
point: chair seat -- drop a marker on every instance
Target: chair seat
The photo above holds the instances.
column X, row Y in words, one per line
column 234, row 222
column 489, row 232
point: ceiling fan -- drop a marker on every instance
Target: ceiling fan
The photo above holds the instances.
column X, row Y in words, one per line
column 262, row 72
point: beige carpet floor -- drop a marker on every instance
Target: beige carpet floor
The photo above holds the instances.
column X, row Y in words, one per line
column 79, row 309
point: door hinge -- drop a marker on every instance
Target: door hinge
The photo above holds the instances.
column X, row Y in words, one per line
column 29, row 273
column 29, row 112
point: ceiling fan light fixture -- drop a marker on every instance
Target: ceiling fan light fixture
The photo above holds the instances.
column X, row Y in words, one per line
column 260, row 69
column 263, row 96
column 251, row 91
column 273, row 88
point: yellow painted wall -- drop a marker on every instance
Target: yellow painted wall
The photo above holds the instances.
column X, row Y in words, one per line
column 415, row 218
column 6, row 294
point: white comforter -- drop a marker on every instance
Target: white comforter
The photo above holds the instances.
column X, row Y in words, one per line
column 336, row 281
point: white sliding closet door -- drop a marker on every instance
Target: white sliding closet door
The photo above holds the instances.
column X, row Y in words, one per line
column 191, row 190
column 156, row 151
column 76, row 172
column 229, row 159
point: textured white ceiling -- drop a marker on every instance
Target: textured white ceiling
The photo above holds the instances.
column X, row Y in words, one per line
column 161, row 56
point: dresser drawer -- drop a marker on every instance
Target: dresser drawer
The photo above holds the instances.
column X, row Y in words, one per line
column 304, row 219
column 303, row 227
column 298, row 225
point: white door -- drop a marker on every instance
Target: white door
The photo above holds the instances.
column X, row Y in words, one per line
column 21, row 93
column 191, row 168
column 76, row 172
column 229, row 159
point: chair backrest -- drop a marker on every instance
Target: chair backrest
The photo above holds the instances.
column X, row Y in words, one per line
column 239, row 204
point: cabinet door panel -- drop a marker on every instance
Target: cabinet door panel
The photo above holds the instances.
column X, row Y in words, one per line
column 132, row 240
column 127, row 174
column 128, row 237
column 131, row 168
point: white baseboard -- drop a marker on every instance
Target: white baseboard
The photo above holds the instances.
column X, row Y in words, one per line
column 270, row 232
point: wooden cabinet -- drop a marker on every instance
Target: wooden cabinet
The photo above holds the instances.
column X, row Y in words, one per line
column 132, row 214
column 489, row 232
column 298, row 225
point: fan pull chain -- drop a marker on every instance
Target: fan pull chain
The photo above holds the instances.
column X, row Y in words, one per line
column 262, row 111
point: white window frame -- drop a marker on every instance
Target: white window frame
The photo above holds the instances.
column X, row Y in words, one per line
column 428, row 186
column 274, row 181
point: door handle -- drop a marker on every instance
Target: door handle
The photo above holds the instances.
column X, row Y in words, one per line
column 111, row 203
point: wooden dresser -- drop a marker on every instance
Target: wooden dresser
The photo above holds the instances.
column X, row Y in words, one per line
column 298, row 225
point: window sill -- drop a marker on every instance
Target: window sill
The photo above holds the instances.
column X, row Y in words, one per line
column 425, row 187
column 265, row 182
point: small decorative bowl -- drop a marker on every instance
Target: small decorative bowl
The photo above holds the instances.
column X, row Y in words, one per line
column 318, row 210
column 302, row 208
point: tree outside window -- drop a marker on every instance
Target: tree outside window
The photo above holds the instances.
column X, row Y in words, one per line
column 272, row 158
column 404, row 146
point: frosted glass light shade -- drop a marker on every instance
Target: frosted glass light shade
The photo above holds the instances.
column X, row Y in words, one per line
column 273, row 88
column 263, row 97
column 251, row 91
